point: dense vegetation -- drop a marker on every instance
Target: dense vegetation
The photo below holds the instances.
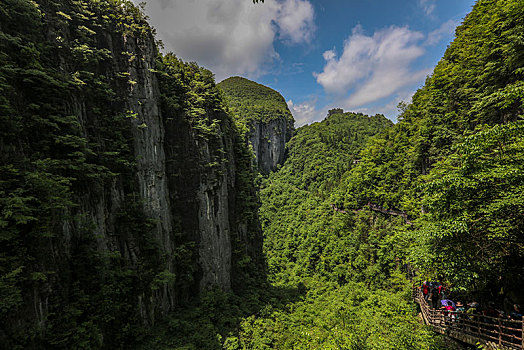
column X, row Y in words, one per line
column 252, row 101
column 357, row 293
column 336, row 273
column 47, row 160
column 472, row 231
column 455, row 156
column 299, row 223
column 453, row 166
column 73, row 107
column 335, row 281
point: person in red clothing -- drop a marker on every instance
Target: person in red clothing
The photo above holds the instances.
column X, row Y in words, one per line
column 450, row 307
column 443, row 292
column 425, row 290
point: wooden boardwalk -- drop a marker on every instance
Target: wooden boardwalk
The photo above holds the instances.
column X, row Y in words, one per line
column 490, row 332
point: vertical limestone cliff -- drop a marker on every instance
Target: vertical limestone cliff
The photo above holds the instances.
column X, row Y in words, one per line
column 268, row 141
column 133, row 185
column 268, row 122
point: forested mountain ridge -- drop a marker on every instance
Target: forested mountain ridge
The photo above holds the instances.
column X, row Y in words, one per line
column 329, row 148
column 129, row 212
column 263, row 115
column 346, row 262
column 453, row 163
column 253, row 101
column 297, row 197
column 455, row 156
column 126, row 188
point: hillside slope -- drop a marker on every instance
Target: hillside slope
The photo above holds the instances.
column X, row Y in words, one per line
column 453, row 166
column 266, row 117
column 125, row 187
column 454, row 158
column 344, row 261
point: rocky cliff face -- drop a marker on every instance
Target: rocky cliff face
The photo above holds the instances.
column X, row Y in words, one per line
column 133, row 203
column 264, row 113
column 268, row 140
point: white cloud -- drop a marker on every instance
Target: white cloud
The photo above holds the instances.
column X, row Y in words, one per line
column 341, row 74
column 446, row 29
column 230, row 37
column 304, row 113
column 165, row 3
column 428, row 6
column 383, row 83
column 329, row 55
column 373, row 67
column 296, row 21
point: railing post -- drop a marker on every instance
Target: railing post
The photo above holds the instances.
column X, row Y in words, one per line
column 459, row 322
column 478, row 327
column 500, row 331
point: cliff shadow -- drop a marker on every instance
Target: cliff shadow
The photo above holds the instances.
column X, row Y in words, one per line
column 216, row 317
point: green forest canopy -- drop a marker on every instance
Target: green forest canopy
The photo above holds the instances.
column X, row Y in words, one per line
column 471, row 107
column 336, row 269
column 251, row 101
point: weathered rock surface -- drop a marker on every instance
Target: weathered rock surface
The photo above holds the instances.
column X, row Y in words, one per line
column 268, row 141
column 162, row 219
column 267, row 118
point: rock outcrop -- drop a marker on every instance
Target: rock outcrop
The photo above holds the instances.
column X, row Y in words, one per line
column 268, row 141
column 268, row 121
column 133, row 192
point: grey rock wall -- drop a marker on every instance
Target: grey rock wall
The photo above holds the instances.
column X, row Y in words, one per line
column 99, row 206
column 153, row 201
column 206, row 209
column 214, row 228
column 268, row 140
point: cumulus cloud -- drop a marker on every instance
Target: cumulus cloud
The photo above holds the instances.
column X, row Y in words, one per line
column 373, row 67
column 231, row 37
column 164, row 3
column 329, row 55
column 304, row 113
column 383, row 84
column 295, row 19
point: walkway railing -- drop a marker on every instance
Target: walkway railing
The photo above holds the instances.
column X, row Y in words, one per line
column 492, row 332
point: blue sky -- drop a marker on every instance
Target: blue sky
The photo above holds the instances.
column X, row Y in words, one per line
column 359, row 55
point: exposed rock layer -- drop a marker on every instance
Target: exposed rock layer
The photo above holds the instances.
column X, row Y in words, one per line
column 268, row 140
column 267, row 118
column 152, row 209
